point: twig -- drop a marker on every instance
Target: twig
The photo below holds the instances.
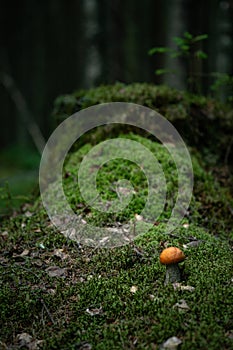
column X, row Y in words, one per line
column 47, row 310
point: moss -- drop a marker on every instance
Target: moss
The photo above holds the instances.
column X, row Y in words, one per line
column 202, row 122
column 209, row 206
column 102, row 279
column 93, row 302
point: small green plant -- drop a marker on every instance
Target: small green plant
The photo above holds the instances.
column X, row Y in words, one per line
column 185, row 47
column 222, row 81
column 188, row 47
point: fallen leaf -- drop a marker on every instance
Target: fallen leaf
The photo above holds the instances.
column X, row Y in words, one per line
column 37, row 262
column 89, row 241
column 4, row 234
column 25, row 252
column 171, row 343
column 104, row 240
column 83, row 346
column 22, row 255
column 37, row 230
column 56, row 271
column 125, row 191
column 181, row 305
column 51, row 291
column 60, row 254
column 70, row 233
column 229, row 334
column 178, row 286
column 35, row 344
column 133, row 289
column 94, row 312
column 193, row 244
column 3, row 346
column 86, row 259
column 138, row 217
column 26, row 340
column 28, row 214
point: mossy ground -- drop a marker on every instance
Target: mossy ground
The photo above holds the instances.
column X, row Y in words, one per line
column 88, row 301
column 54, row 309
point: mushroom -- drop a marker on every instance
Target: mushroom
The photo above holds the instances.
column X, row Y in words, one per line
column 171, row 257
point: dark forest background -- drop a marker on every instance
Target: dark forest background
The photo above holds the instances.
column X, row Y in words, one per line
column 54, row 47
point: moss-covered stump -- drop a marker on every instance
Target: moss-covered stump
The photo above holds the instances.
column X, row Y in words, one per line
column 203, row 123
column 209, row 207
column 69, row 296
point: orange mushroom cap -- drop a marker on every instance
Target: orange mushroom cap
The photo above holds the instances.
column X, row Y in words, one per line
column 171, row 255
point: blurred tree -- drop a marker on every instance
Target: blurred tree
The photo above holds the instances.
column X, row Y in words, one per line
column 53, row 47
column 43, row 49
column 110, row 40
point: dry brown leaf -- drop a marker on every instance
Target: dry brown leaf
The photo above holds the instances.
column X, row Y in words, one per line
column 37, row 230
column 25, row 252
column 56, row 271
column 60, row 254
column 3, row 346
column 4, row 234
column 37, row 262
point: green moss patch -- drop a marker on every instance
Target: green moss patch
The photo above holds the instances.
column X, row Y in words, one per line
column 93, row 301
column 209, row 206
column 70, row 296
column 202, row 122
column 56, row 293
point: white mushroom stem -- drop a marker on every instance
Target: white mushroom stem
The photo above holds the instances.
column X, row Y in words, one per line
column 172, row 273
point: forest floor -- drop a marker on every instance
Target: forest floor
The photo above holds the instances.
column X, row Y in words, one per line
column 59, row 293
